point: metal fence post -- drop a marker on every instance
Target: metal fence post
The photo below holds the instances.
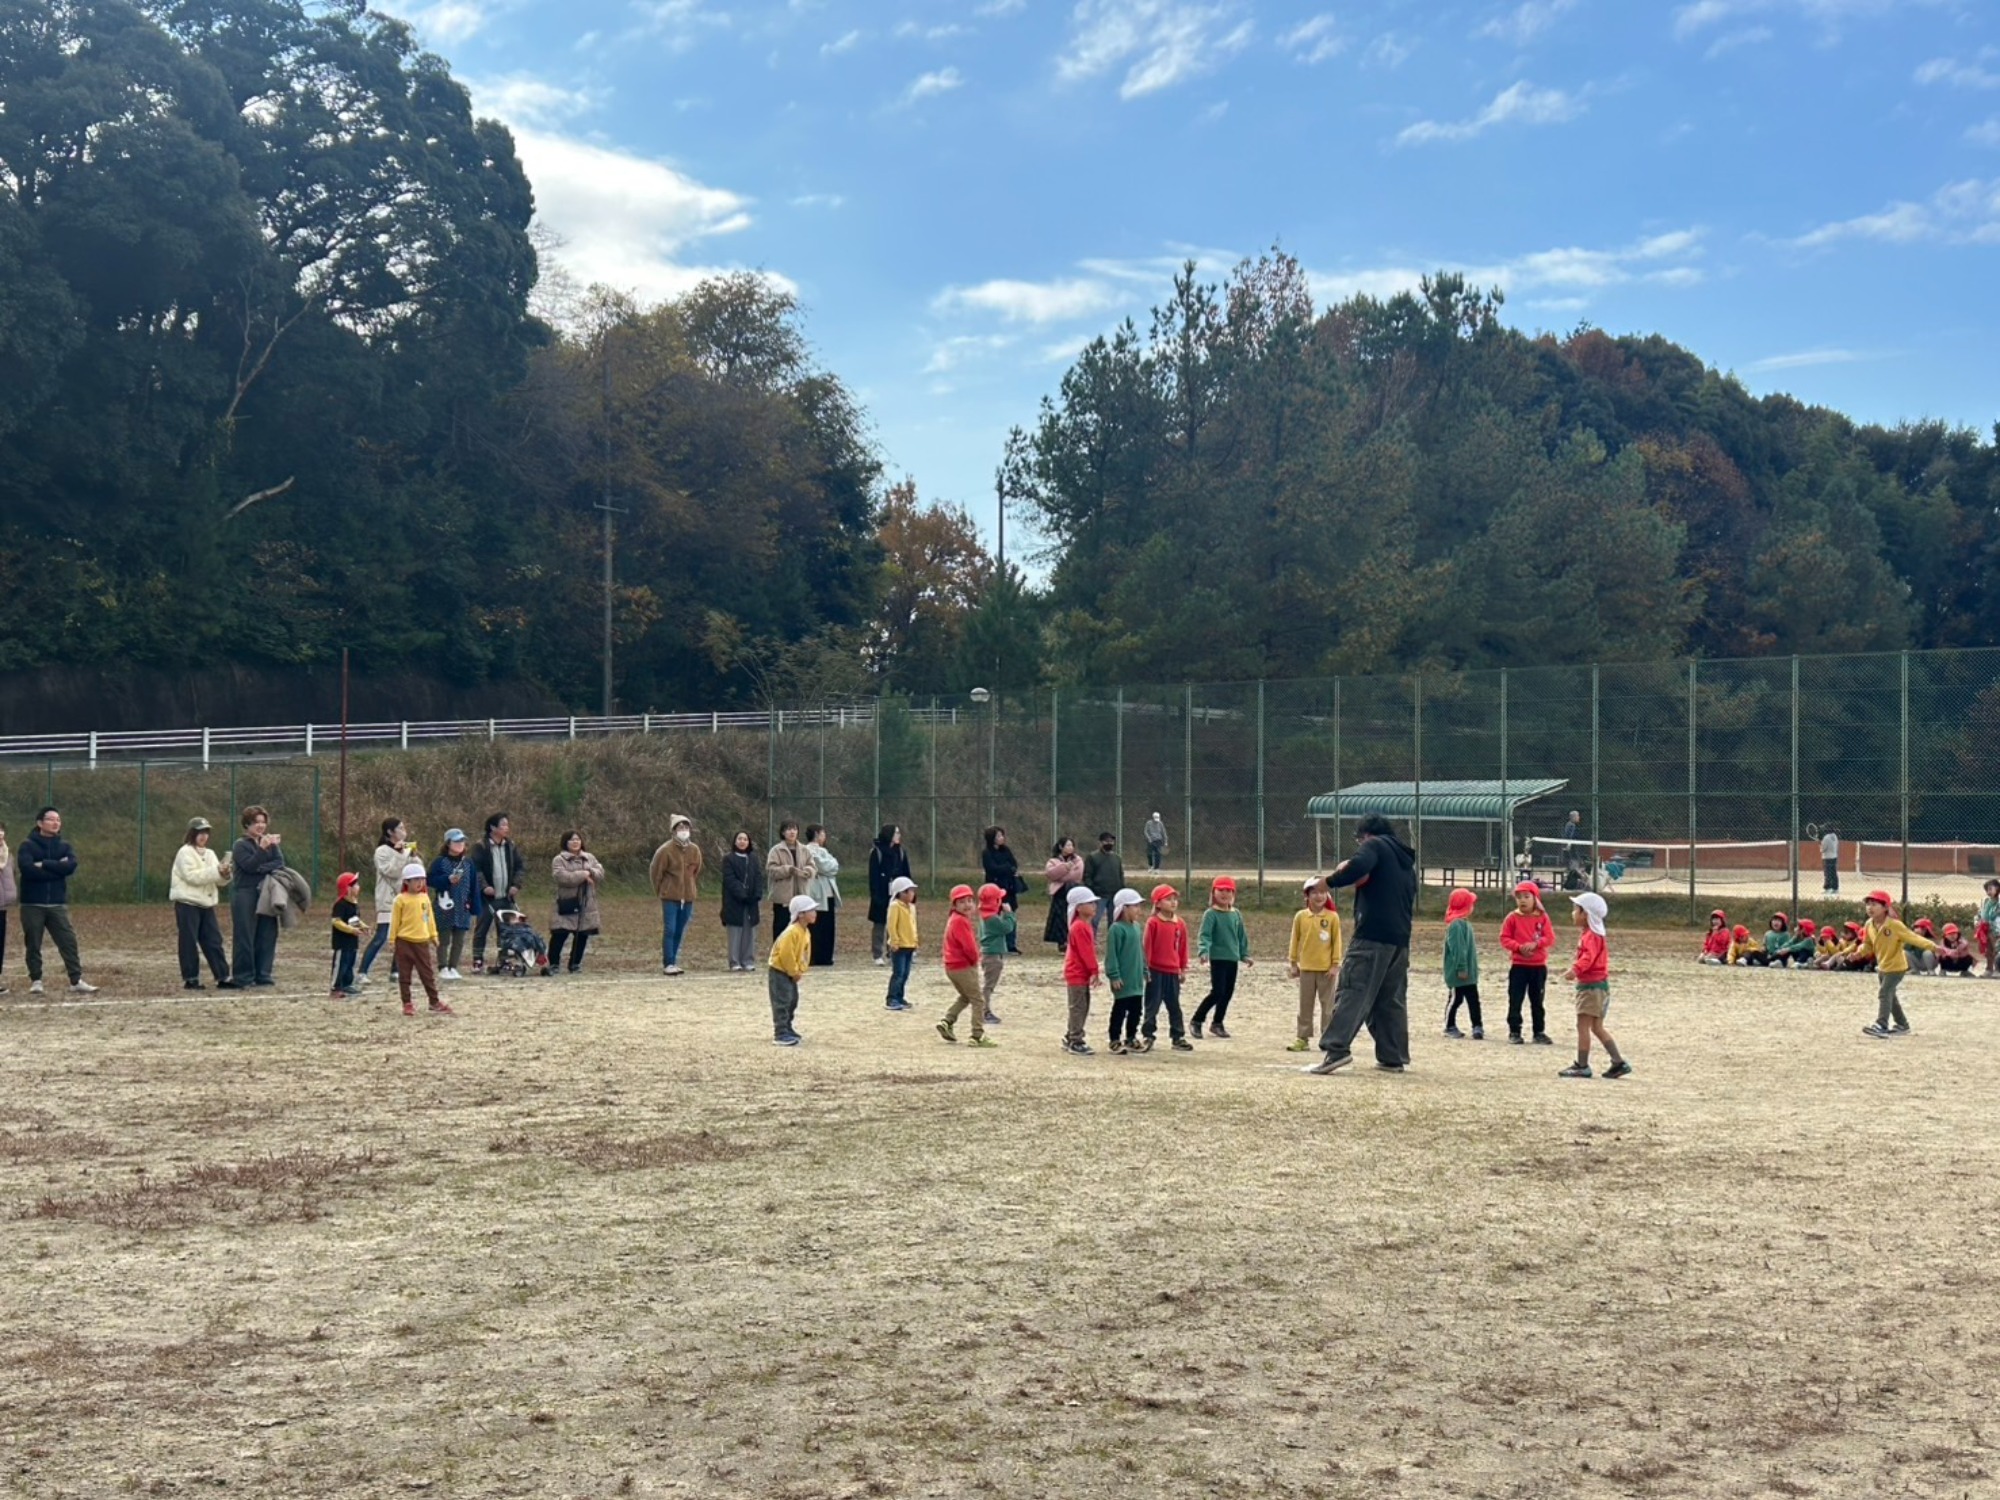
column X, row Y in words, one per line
column 822, row 763
column 1904, row 777
column 934, row 793
column 1118, row 769
column 770, row 777
column 1506, row 802
column 1694, row 859
column 1187, row 785
column 235, row 807
column 309, row 740
column 878, row 762
column 315, row 839
column 1417, row 784
column 93, row 749
column 1794, row 857
column 1055, row 767
column 1260, row 788
column 1596, row 761
column 49, row 782
column 1337, row 844
column 139, row 882
column 206, row 736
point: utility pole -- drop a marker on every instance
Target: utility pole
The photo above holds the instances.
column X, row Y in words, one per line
column 1000, row 501
column 609, row 509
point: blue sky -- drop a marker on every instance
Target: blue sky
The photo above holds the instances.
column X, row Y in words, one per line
column 1806, row 192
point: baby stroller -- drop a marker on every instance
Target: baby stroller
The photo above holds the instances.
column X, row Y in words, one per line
column 521, row 947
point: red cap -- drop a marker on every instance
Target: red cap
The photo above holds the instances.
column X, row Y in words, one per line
column 991, row 898
column 1924, row 925
column 1164, row 893
column 347, row 882
column 1778, row 916
column 1528, row 888
column 960, row 892
column 1881, row 896
column 1223, row 883
column 1807, row 927
column 1742, row 931
column 1951, row 929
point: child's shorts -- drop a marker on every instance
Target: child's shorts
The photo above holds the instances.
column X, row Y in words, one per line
column 1594, row 999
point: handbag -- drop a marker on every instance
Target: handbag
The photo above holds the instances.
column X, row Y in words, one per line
column 569, row 906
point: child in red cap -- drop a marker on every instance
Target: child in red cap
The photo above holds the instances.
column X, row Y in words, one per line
column 1166, row 950
column 1715, row 946
column 1224, row 944
column 1889, row 939
column 1528, row 936
column 1954, row 954
column 1740, row 945
column 961, row 967
column 1461, row 964
column 346, row 933
column 996, row 938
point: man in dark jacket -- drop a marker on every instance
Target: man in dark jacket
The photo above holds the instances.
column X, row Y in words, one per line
column 47, row 862
column 1104, row 873
column 254, row 939
column 1374, row 985
column 497, row 864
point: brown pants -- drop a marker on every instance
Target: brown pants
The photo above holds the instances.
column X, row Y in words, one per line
column 991, row 968
column 966, row 982
column 1079, row 1012
column 422, row 958
column 1315, row 1002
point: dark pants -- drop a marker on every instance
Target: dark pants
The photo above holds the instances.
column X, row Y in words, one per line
column 343, row 967
column 1373, row 991
column 1125, row 1011
column 900, row 960
column 200, row 937
column 3, row 939
column 1829, row 873
column 1528, row 982
column 54, row 920
column 575, row 953
column 1888, row 1009
column 253, row 939
column 1468, row 996
column 482, row 925
column 1164, row 990
column 451, row 946
column 781, row 918
column 821, row 933
column 1153, row 855
column 1221, row 990
column 784, row 1002
column 1013, row 938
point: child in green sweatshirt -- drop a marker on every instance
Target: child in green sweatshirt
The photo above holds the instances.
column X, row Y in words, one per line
column 996, row 938
column 1461, row 964
column 1125, row 971
column 1223, row 945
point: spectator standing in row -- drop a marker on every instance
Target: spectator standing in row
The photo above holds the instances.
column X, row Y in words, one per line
column 392, row 854
column 788, row 874
column 742, row 899
column 255, row 939
column 194, row 888
column 498, row 864
column 676, row 877
column 825, row 891
column 10, row 893
column 1155, row 834
column 998, row 864
column 888, row 862
column 1104, row 873
column 1064, row 873
column 454, row 891
column 46, row 863
column 577, row 875
column 1829, row 861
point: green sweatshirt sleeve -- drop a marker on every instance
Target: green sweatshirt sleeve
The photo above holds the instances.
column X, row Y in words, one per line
column 1461, row 954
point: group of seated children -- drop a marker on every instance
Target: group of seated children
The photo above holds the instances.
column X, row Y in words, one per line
column 1845, row 946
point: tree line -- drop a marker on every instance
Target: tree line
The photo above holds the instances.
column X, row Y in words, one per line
column 284, row 370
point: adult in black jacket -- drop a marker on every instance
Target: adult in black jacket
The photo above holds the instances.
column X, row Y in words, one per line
column 1000, row 867
column 887, row 860
column 742, row 900
column 1374, row 985
column 497, row 863
column 254, row 939
column 47, row 862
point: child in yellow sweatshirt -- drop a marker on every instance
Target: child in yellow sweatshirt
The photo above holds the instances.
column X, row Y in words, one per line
column 791, row 955
column 413, row 929
column 1313, row 959
column 901, row 938
column 1889, row 939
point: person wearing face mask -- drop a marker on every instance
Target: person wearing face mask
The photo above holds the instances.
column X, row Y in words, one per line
column 676, row 874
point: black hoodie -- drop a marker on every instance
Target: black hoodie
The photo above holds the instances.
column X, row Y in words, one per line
column 1383, row 874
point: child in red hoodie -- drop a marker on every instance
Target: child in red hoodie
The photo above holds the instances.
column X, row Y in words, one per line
column 1166, row 961
column 961, row 968
column 1528, row 935
column 1080, row 967
column 1592, row 973
column 1715, row 947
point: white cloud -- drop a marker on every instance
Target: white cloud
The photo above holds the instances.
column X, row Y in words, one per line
column 1986, row 133
column 682, row 23
column 953, row 353
column 523, row 100
column 1807, row 358
column 847, row 41
column 916, row 30
column 1314, row 40
column 1390, row 51
column 1213, row 113
column 1730, row 41
column 1961, row 75
column 449, row 21
column 1159, row 42
column 1570, row 274
column 1526, row 21
column 1031, row 301
column 1960, row 213
column 930, row 85
column 1692, row 19
column 1518, row 104
column 819, row 200
column 998, row 8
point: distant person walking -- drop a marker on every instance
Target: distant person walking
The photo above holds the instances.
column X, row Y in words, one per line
column 1829, row 861
column 198, row 878
column 498, row 865
column 1155, row 834
column 47, row 862
column 254, row 939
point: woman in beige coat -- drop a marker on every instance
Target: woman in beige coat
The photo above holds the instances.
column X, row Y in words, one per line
column 789, row 872
column 577, row 876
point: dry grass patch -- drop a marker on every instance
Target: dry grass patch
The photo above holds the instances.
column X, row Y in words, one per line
column 293, row 1185
column 608, row 1153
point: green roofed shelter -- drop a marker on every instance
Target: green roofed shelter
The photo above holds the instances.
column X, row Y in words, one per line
column 1492, row 802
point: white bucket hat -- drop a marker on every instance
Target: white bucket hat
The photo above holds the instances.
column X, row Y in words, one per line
column 413, row 872
column 899, row 885
column 802, row 904
column 1593, row 908
column 1081, row 895
column 1125, row 898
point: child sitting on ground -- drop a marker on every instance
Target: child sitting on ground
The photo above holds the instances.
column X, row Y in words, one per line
column 1592, row 973
column 1857, row 954
column 1715, row 947
column 1461, row 965
column 1777, row 943
column 1924, row 961
column 1741, row 949
column 1954, row 955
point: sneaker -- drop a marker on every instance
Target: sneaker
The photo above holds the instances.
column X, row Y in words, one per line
column 1116, row 1047
column 1330, row 1064
column 361, row 981
column 1299, row 1044
column 1392, row 1067
column 1215, row 1030
column 1871, row 1029
column 439, row 1008
column 1078, row 1049
column 337, row 995
column 479, row 966
column 982, row 1041
column 82, row 987
column 1479, row 1033
column 409, row 1009
column 1543, row 1039
column 944, row 1029
column 1903, row 1029
column 990, row 1019
column 1195, row 1031
column 1516, row 1038
column 675, row 970
column 786, row 1039
column 193, row 984
column 1182, row 1044
column 229, row 984
column 1618, row 1069
column 880, row 963
column 35, row 988
column 1454, row 1033
column 1575, row 1070
column 898, row 1005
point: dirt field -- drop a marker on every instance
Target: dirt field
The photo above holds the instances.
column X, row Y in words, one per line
column 598, row 1237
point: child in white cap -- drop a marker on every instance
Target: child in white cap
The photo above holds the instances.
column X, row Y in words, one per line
column 1313, row 960
column 413, row 930
column 1592, row 973
column 791, row 955
column 901, row 937
column 1079, row 967
column 1125, row 970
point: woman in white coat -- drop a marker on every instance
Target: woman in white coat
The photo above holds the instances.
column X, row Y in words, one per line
column 194, row 888
column 825, row 889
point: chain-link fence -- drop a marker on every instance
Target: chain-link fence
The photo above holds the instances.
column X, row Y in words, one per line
column 1701, row 780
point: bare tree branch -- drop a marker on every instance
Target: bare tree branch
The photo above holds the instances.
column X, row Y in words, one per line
column 249, row 500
